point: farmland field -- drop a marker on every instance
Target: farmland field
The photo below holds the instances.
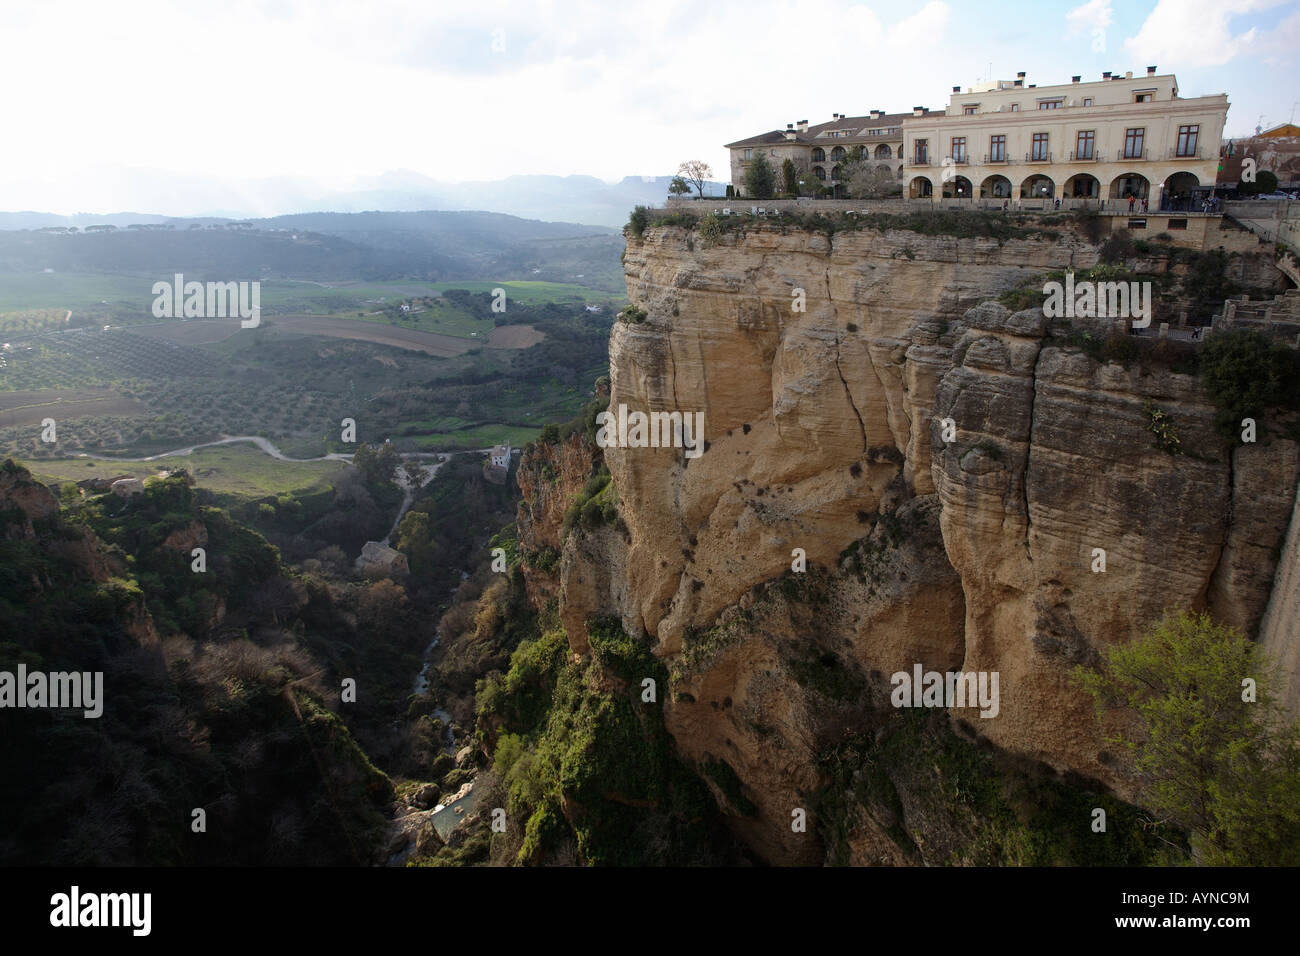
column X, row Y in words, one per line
column 230, row 469
column 31, row 406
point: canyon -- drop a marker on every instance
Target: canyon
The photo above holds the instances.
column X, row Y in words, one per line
column 972, row 548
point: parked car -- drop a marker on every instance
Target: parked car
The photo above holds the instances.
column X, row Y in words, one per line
column 1277, row 195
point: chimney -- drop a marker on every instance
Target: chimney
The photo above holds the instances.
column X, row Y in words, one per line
column 956, row 89
column 1075, row 79
column 1128, row 75
column 1106, row 75
column 803, row 126
column 1032, row 86
column 789, row 131
column 1020, row 82
column 918, row 110
column 1151, row 71
column 1020, row 75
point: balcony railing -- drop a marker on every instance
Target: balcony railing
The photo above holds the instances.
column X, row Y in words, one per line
column 921, row 159
column 1038, row 157
column 961, row 160
column 1132, row 155
column 995, row 160
column 1197, row 154
column 1087, row 156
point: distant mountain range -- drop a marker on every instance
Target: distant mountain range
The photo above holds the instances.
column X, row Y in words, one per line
column 569, row 199
column 328, row 246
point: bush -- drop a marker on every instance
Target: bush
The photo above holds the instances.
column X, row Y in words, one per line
column 638, row 220
column 1245, row 373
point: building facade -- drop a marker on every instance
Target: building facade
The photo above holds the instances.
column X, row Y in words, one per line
column 823, row 149
column 1117, row 137
column 1111, row 139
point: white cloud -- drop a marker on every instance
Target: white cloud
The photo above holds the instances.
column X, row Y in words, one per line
column 1093, row 15
column 1196, row 33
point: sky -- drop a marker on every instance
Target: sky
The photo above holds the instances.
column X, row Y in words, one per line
column 105, row 99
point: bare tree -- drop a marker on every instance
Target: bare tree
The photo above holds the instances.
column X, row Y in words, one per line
column 696, row 172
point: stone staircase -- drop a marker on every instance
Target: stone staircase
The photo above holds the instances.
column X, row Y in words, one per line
column 1278, row 317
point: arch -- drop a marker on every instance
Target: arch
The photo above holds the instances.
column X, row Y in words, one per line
column 819, row 155
column 884, row 152
column 1081, row 185
column 995, row 187
column 837, row 154
column 820, row 173
column 1129, row 184
column 958, row 187
column 835, row 173
column 1038, row 186
column 1177, row 191
column 900, row 170
column 920, row 188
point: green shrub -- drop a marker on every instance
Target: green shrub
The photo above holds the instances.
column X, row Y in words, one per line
column 1246, row 373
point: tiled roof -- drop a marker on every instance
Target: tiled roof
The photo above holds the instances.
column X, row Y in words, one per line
column 856, row 126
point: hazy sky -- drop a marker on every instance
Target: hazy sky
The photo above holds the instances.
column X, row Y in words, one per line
column 334, row 92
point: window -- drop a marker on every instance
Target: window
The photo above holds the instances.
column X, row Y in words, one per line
column 969, row 111
column 749, row 154
column 1084, row 143
column 819, row 155
column 1015, row 107
column 997, row 149
column 1087, row 101
column 1133, row 140
column 1177, row 223
column 1187, row 136
column 819, row 172
column 837, row 153
column 1040, row 147
column 922, row 154
column 959, row 149
column 1143, row 97
column 1137, row 223
column 1049, row 105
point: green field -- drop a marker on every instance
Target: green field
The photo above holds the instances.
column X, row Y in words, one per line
column 241, row 469
column 479, row 437
column 54, row 290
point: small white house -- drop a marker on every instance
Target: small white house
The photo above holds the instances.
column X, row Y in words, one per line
column 501, row 455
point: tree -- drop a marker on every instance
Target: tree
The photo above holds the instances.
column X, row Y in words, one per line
column 1265, row 182
column 790, row 177
column 1226, row 770
column 696, row 172
column 760, row 181
column 864, row 179
column 810, row 185
column 679, row 186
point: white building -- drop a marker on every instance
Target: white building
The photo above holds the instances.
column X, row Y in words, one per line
column 501, row 455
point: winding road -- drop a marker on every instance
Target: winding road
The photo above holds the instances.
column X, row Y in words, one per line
column 271, row 450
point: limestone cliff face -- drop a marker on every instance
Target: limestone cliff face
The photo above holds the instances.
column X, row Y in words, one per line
column 972, row 550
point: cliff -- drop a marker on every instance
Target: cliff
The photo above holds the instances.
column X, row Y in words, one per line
column 824, row 363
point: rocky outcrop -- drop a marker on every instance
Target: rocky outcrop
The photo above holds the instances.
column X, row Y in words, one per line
column 950, row 471
column 1279, row 633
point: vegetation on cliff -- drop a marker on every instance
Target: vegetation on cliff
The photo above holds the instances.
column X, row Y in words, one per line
column 1217, row 756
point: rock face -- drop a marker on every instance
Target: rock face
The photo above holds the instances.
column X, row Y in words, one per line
column 826, row 368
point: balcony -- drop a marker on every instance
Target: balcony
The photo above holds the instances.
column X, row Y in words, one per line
column 1088, row 156
column 1038, row 157
column 1132, row 156
column 999, row 160
column 1195, row 155
column 922, row 159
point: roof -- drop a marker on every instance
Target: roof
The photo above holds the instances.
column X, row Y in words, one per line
column 1286, row 129
column 499, row 450
column 813, row 135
